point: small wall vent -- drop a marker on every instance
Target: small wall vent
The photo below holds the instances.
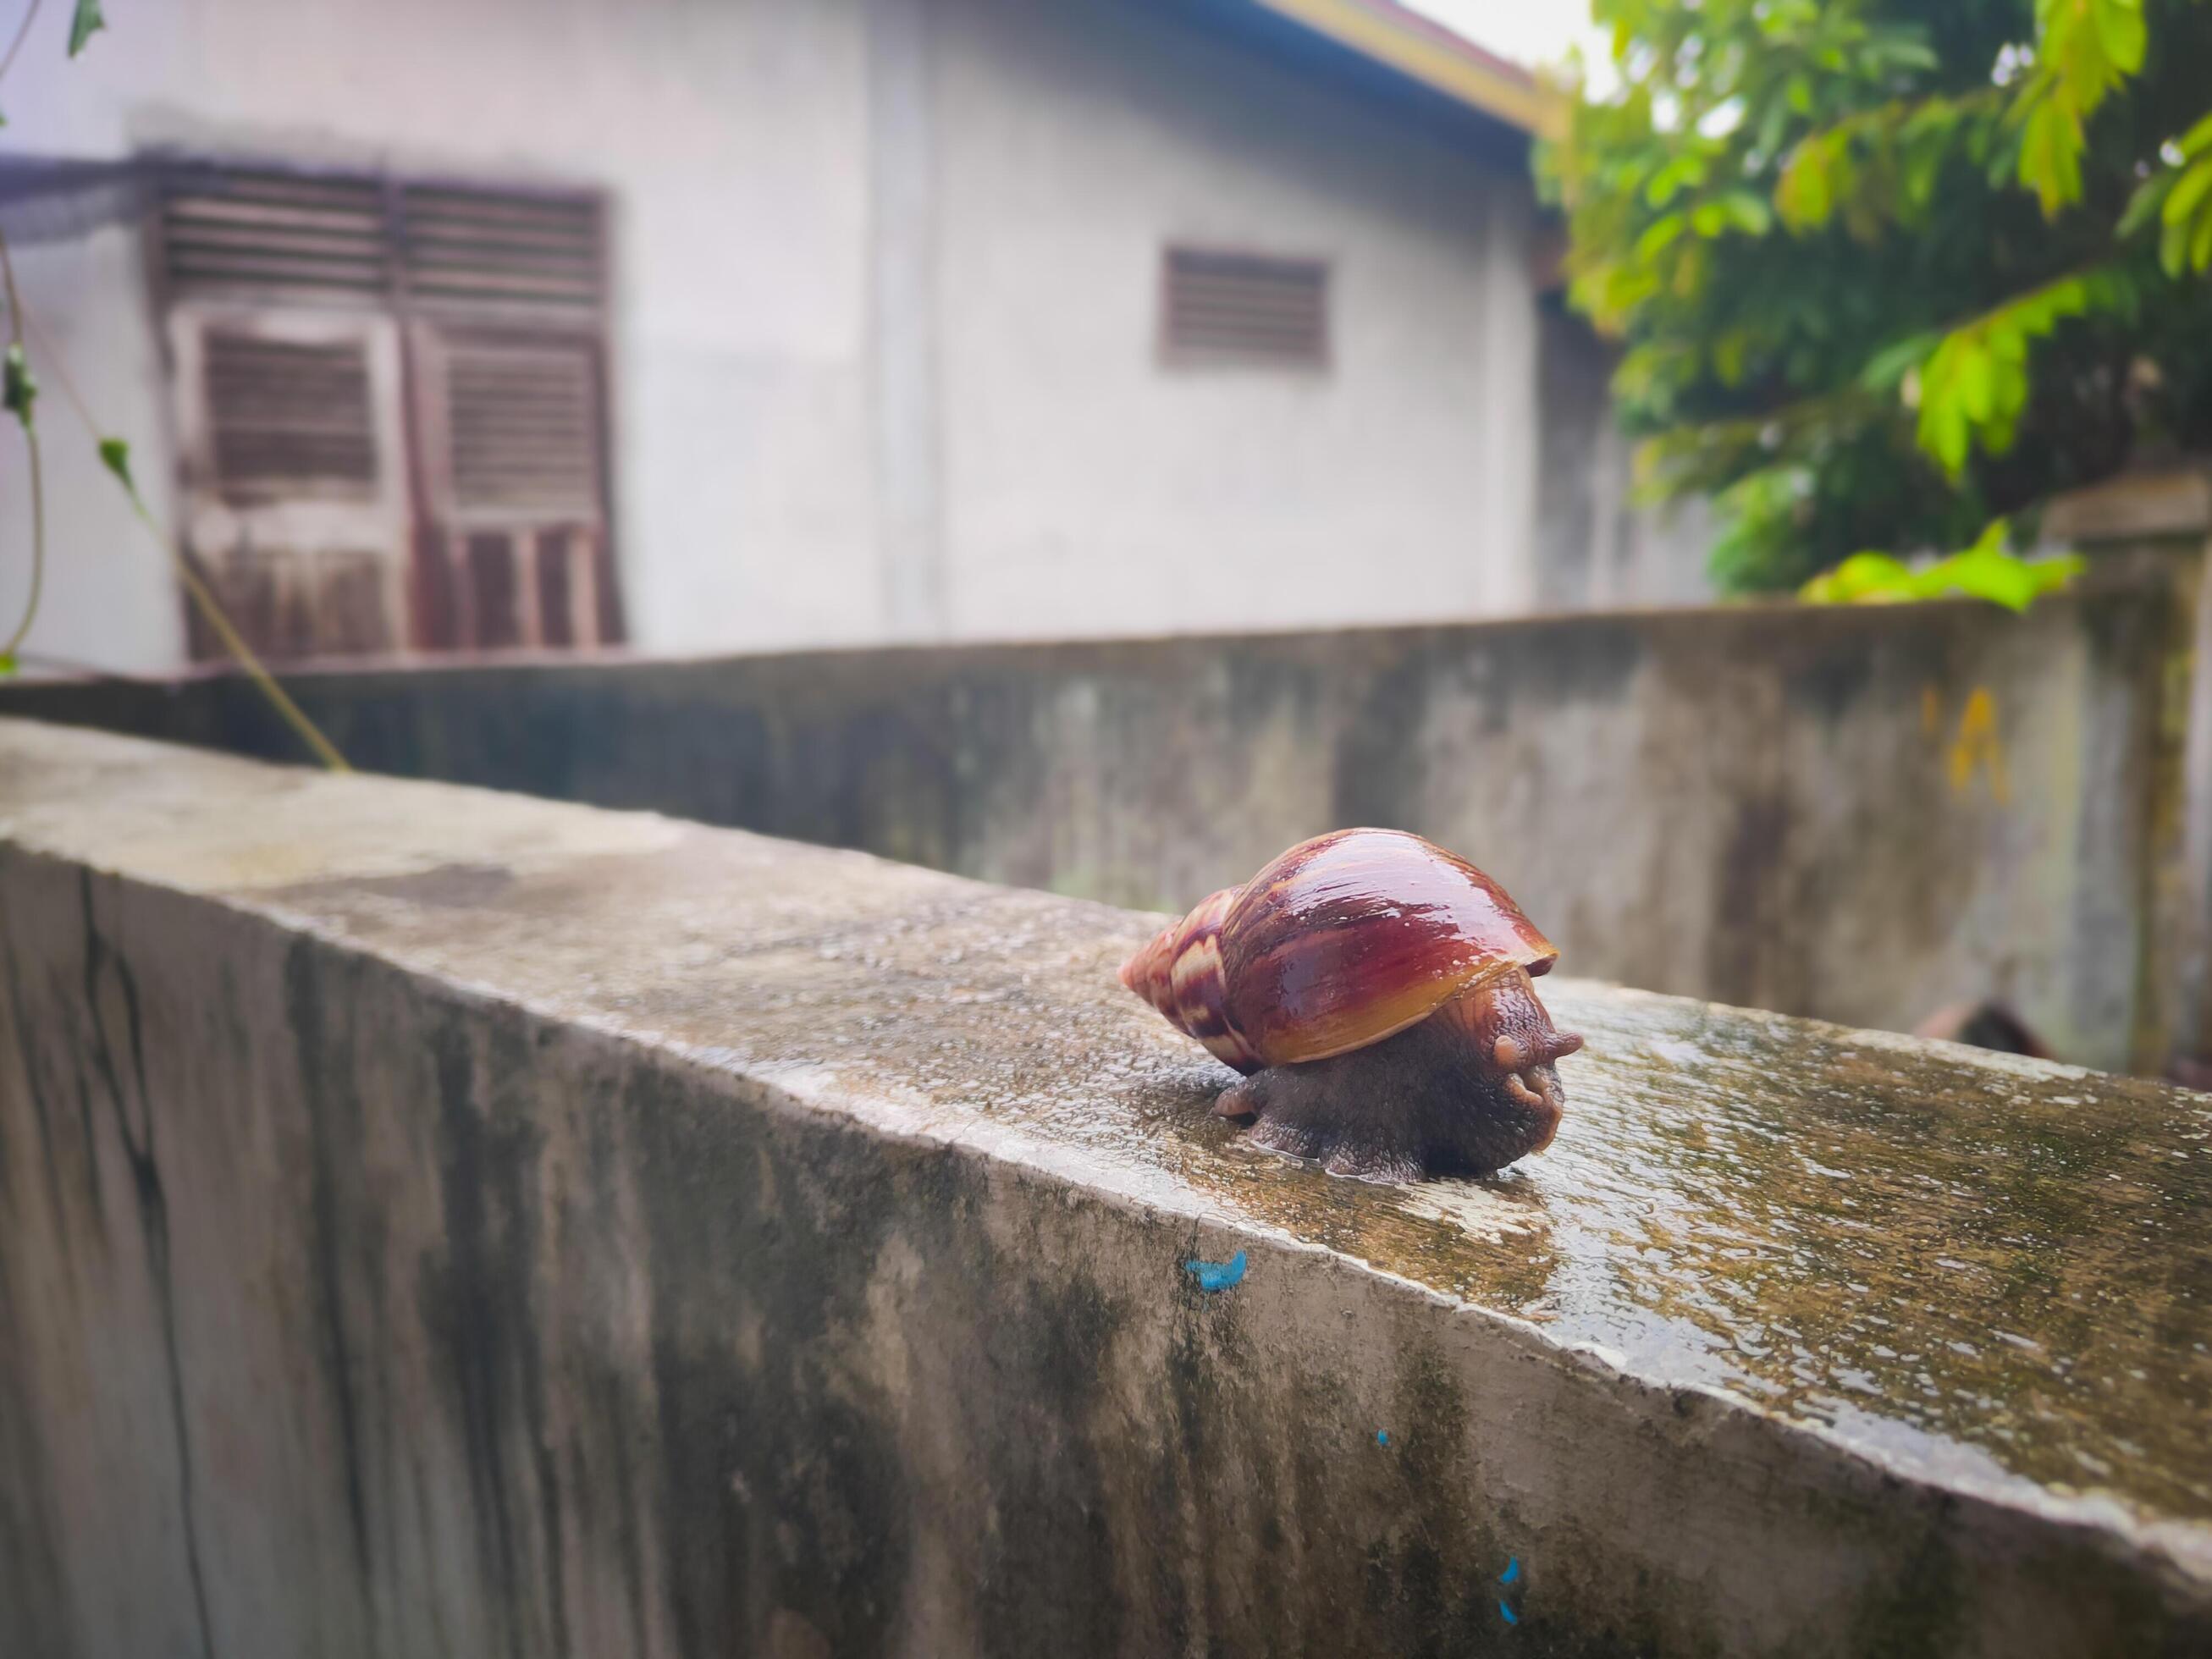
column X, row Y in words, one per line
column 1243, row 308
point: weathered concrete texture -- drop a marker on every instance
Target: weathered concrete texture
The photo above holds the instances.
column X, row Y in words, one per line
column 433, row 1222
column 1862, row 816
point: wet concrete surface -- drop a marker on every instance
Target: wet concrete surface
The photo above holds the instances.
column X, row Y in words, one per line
column 607, row 1144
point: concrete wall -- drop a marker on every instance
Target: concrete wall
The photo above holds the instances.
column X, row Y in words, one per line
column 1862, row 815
column 436, row 1223
column 1593, row 548
column 1089, row 487
column 887, row 273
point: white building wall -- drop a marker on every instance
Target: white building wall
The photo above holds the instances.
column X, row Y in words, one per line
column 1090, row 489
column 796, row 189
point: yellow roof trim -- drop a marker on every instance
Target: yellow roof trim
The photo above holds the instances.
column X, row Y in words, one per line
column 1510, row 96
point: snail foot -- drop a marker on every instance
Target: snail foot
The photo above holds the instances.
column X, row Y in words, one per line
column 1465, row 1092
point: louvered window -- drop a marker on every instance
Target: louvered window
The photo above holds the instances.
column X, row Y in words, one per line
column 392, row 394
column 287, row 418
column 227, row 230
column 1242, row 308
column 523, row 420
column 475, row 246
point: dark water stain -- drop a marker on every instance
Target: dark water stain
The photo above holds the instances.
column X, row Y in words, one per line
column 32, row 1599
column 330, row 1096
column 1828, row 678
column 476, row 1297
column 1587, row 660
column 1047, row 1576
column 103, row 963
column 1751, row 961
column 781, row 1485
column 38, row 1085
column 610, row 1394
column 1380, row 771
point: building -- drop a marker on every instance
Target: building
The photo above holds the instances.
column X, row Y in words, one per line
column 448, row 324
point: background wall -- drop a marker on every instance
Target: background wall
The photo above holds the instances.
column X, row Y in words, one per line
column 1862, row 815
column 884, row 359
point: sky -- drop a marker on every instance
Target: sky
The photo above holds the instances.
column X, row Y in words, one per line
column 1535, row 32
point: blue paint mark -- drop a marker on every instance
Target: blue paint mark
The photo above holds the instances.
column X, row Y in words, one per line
column 1213, row 1276
column 1508, row 1612
column 1512, row 1571
column 1382, row 1437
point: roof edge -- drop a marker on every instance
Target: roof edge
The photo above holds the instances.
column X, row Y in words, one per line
column 1427, row 52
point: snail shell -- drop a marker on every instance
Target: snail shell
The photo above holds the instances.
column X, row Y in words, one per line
column 1340, row 946
column 1342, row 941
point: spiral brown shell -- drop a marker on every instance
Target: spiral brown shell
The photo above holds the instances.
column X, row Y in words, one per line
column 1179, row 973
column 1340, row 942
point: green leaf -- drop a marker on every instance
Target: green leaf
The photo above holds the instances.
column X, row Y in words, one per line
column 1685, row 170
column 2120, row 32
column 2173, row 248
column 1923, row 164
column 1656, row 237
column 7, row 664
column 1987, row 574
column 2051, row 156
column 1975, row 381
column 1748, row 212
column 1863, row 579
column 2181, row 200
column 19, row 387
column 1889, row 365
column 2143, row 205
column 115, row 456
column 84, row 25
column 1773, row 126
column 1910, row 53
column 2198, row 138
column 1986, row 571
column 2126, row 35
column 1805, row 194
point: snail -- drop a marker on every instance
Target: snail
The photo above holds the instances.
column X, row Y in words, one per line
column 1376, row 992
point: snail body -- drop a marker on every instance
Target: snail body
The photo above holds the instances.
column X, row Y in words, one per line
column 1376, row 991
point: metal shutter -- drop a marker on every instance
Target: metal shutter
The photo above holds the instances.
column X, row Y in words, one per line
column 288, row 418
column 474, row 246
column 223, row 229
column 523, row 420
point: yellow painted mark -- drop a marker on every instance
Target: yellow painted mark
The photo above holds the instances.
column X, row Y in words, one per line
column 1532, row 108
column 1979, row 747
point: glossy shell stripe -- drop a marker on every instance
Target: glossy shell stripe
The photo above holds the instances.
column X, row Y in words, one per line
column 1179, row 973
column 1352, row 937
